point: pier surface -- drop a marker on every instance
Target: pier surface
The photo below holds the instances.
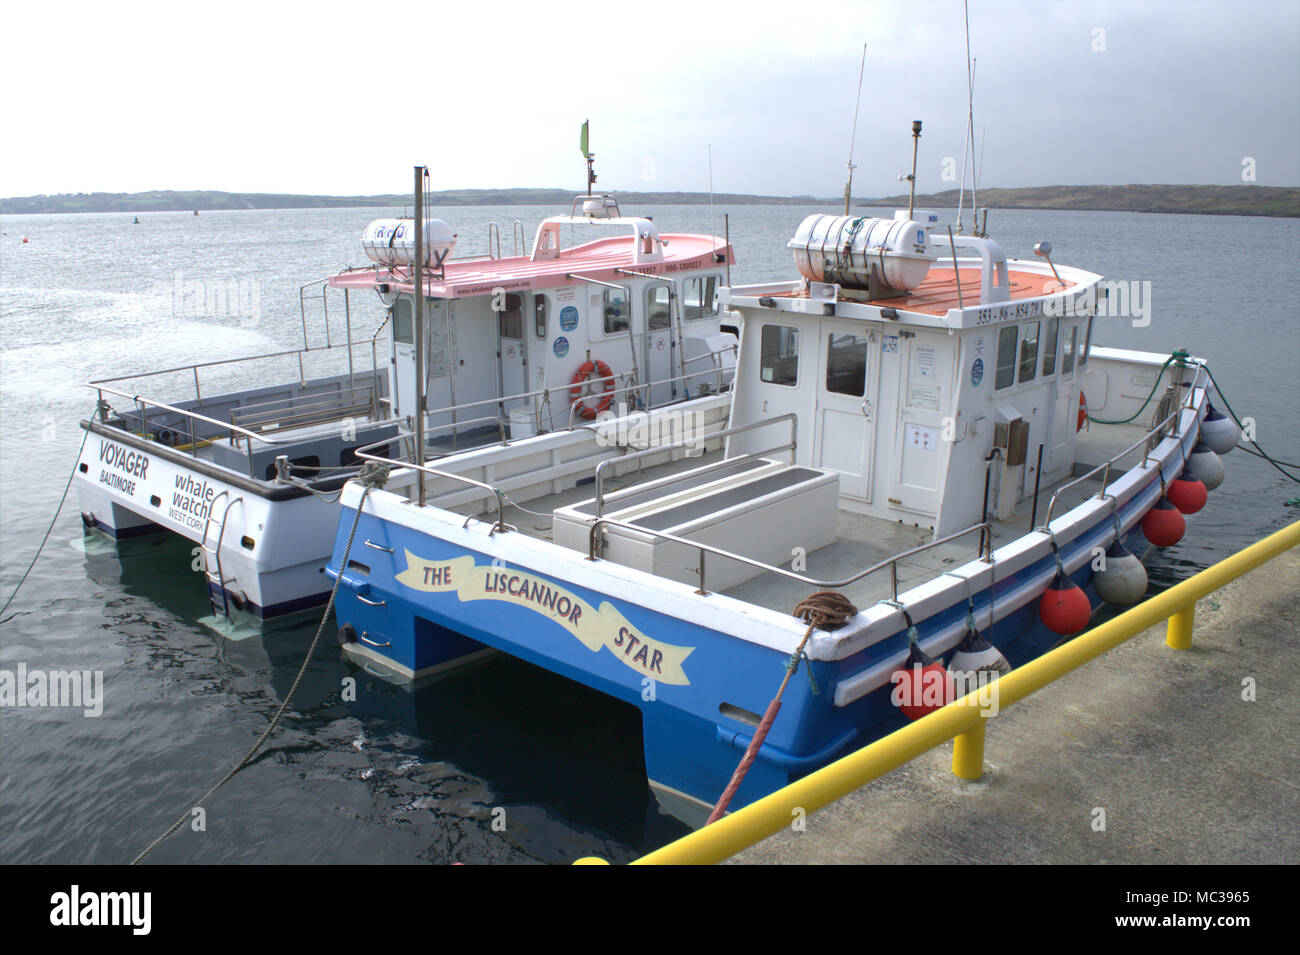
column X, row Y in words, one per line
column 1185, row 769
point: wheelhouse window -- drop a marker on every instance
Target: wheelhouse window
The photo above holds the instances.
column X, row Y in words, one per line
column 511, row 317
column 846, row 365
column 1029, row 352
column 1006, row 372
column 700, row 298
column 658, row 307
column 1087, row 344
column 539, row 315
column 780, row 355
column 1067, row 352
column 1049, row 346
column 616, row 310
column 403, row 323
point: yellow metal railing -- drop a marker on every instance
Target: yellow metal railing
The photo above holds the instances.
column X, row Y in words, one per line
column 963, row 722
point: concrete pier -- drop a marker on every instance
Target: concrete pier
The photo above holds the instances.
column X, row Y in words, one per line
column 1145, row 755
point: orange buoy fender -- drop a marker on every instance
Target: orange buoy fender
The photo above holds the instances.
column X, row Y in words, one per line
column 1187, row 493
column 1163, row 525
column 591, row 405
column 1083, row 412
column 1064, row 607
column 921, row 685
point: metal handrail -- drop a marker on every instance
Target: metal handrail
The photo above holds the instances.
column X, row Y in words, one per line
column 1106, row 465
column 224, row 426
column 725, row 433
column 501, row 524
column 633, row 385
column 891, row 562
column 547, row 392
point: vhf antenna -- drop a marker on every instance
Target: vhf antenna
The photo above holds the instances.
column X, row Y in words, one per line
column 848, row 186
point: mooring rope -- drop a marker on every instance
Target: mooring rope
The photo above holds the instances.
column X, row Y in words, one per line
column 371, row 477
column 824, row 610
column 53, row 520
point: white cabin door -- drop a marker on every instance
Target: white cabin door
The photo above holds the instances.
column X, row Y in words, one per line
column 848, row 377
column 510, row 349
column 926, row 387
column 659, row 351
column 403, row 384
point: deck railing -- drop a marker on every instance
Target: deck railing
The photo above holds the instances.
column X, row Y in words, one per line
column 964, row 721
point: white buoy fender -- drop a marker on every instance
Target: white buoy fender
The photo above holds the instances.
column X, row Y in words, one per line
column 974, row 654
column 1122, row 580
column 1206, row 465
column 1219, row 433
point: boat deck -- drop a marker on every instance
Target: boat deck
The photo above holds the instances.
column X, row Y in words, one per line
column 861, row 540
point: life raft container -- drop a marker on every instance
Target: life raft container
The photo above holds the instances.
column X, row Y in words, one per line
column 590, row 404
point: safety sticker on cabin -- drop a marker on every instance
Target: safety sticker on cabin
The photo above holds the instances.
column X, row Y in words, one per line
column 593, row 627
column 923, row 438
column 977, row 372
column 568, row 318
column 561, row 347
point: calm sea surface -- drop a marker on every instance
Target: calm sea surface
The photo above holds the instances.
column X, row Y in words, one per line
column 421, row 777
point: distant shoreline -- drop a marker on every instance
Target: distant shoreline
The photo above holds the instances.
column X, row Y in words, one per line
column 1243, row 200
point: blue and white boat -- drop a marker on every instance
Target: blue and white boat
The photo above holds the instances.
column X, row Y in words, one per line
column 917, row 422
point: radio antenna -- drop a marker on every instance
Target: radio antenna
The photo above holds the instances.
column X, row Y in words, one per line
column 970, row 120
column 853, row 138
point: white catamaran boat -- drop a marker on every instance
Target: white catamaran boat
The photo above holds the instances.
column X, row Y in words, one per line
column 542, row 341
column 909, row 428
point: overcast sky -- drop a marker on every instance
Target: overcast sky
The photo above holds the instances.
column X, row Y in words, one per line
column 343, row 98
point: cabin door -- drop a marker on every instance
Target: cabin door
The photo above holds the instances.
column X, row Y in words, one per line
column 848, row 377
column 926, row 389
column 512, row 359
column 659, row 345
column 403, row 384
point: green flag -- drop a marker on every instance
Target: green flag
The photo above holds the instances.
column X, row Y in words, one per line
column 583, row 142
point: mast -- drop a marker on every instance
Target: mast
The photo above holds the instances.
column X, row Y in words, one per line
column 419, row 331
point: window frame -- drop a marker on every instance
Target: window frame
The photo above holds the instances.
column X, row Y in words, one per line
column 784, row 343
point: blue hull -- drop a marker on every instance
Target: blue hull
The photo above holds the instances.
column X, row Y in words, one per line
column 430, row 604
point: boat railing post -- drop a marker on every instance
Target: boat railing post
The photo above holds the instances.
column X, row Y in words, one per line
column 893, row 580
column 1178, row 632
column 197, row 397
column 347, row 321
column 702, row 591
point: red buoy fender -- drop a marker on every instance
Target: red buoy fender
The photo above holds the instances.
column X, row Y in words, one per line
column 1083, row 412
column 1064, row 607
column 1163, row 525
column 1187, row 493
column 921, row 685
column 590, row 405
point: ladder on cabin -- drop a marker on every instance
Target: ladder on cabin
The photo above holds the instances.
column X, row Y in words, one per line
column 212, row 556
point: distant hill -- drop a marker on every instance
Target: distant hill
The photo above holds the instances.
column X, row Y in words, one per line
column 169, row 201
column 1202, row 200
column 1206, row 200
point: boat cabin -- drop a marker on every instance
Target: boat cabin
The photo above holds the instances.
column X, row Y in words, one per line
column 556, row 336
column 909, row 376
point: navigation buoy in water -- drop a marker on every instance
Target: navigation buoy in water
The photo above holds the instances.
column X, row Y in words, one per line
column 921, row 685
column 975, row 654
column 1220, row 433
column 1163, row 525
column 1206, row 465
column 1064, row 607
column 1187, row 493
column 1122, row 579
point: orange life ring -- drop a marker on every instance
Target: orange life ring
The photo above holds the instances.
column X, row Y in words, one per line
column 589, row 405
column 1083, row 412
